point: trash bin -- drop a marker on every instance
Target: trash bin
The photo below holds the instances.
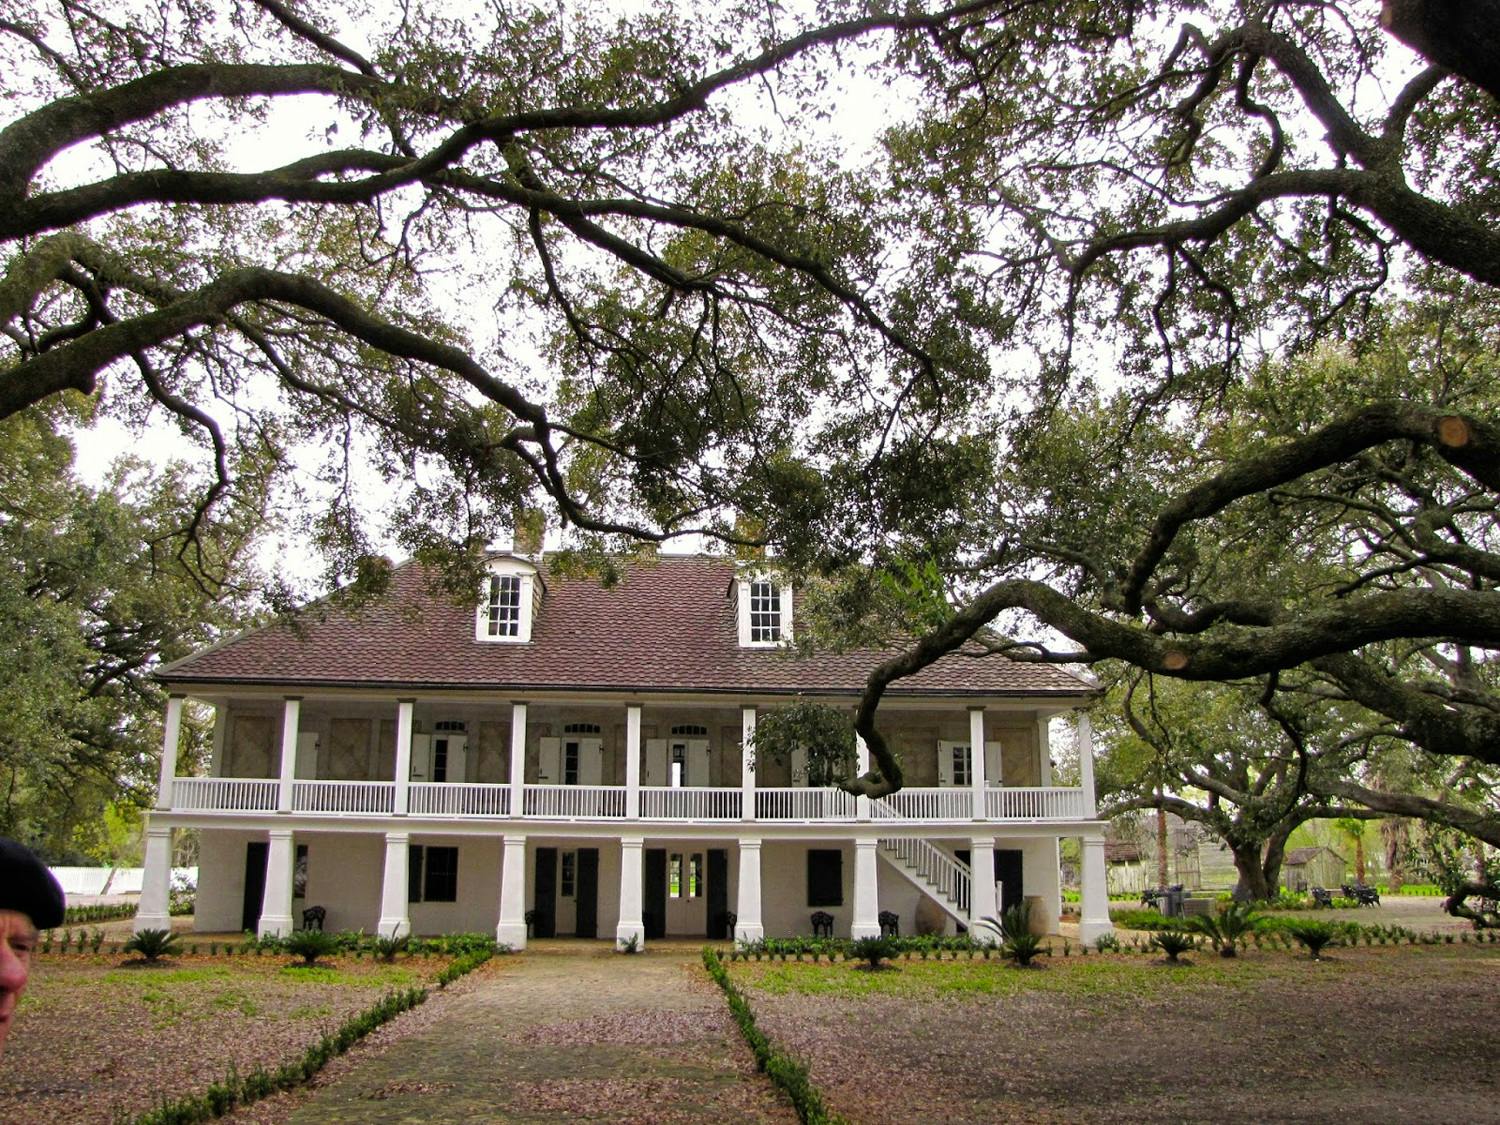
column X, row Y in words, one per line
column 1172, row 907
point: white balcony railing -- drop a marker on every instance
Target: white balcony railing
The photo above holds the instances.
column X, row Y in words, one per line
column 927, row 804
column 346, row 797
column 224, row 794
column 689, row 803
column 1035, row 803
column 575, row 802
column 438, row 798
column 803, row 804
column 606, row 802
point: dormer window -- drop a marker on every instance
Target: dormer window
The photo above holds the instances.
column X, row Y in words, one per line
column 507, row 601
column 765, row 612
column 503, row 606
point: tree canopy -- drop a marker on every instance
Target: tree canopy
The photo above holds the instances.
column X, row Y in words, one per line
column 1124, row 287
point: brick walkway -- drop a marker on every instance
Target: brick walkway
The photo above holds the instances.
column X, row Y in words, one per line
column 568, row 1031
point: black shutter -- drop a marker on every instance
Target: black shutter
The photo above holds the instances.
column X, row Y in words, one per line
column 414, row 873
column 825, row 877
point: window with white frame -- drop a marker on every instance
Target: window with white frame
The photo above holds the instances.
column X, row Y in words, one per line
column 503, row 606
column 765, row 611
column 506, row 602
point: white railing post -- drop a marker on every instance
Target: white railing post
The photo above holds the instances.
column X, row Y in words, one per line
column 517, row 758
column 976, row 760
column 291, row 712
column 1086, row 764
column 170, row 736
column 747, row 763
column 633, row 761
column 404, row 716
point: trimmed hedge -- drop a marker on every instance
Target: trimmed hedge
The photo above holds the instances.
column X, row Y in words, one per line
column 223, row 1097
column 788, row 1074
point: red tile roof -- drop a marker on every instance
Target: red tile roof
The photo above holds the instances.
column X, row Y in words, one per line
column 668, row 626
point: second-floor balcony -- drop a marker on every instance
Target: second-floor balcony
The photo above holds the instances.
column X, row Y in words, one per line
column 677, row 805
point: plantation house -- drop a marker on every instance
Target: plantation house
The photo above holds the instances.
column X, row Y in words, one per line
column 566, row 758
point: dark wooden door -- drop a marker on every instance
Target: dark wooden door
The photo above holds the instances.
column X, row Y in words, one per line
column 587, row 892
column 545, row 924
column 654, row 897
column 1008, row 875
column 256, row 854
column 718, row 893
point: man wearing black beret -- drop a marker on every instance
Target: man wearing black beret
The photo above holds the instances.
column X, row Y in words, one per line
column 30, row 900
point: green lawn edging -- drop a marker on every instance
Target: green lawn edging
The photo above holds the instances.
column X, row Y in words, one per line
column 787, row 1073
column 223, row 1097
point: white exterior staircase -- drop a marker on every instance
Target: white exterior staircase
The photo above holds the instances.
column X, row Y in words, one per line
column 944, row 879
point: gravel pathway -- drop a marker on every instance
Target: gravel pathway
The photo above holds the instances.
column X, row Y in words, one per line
column 570, row 1032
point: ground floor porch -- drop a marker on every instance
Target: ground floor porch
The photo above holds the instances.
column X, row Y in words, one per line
column 629, row 889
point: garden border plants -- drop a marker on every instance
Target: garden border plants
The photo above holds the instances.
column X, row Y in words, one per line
column 224, row 1097
column 789, row 1075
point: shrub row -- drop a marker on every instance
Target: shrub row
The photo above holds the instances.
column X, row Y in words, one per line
column 788, row 1074
column 841, row 947
column 77, row 915
column 222, row 1097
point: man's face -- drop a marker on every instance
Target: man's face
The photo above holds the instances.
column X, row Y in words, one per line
column 17, row 940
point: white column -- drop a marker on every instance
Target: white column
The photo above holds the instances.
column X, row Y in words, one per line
column 982, row 903
column 747, row 924
column 394, row 918
column 291, row 712
column 276, row 907
column 154, row 910
column 170, row 736
column 866, row 891
column 747, row 767
column 1094, row 920
column 404, row 709
column 976, row 760
column 862, row 765
column 633, row 761
column 512, row 928
column 632, row 926
column 1044, row 750
column 1086, row 766
column 518, row 764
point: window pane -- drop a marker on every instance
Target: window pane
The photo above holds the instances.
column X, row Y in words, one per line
column 695, row 875
column 570, row 764
column 674, row 876
column 569, row 873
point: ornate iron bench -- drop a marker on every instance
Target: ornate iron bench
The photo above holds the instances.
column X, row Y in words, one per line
column 822, row 924
column 890, row 923
column 1322, row 896
column 312, row 918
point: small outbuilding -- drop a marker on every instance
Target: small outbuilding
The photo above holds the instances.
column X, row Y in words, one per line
column 1304, row 868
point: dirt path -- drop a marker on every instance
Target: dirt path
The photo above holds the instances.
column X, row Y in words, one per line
column 571, row 1032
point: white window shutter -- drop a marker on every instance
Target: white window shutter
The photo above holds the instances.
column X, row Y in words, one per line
column 945, row 763
column 655, row 762
column 421, row 757
column 306, row 766
column 994, row 763
column 697, row 761
column 458, row 757
column 549, row 762
column 590, row 761
column 799, row 766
